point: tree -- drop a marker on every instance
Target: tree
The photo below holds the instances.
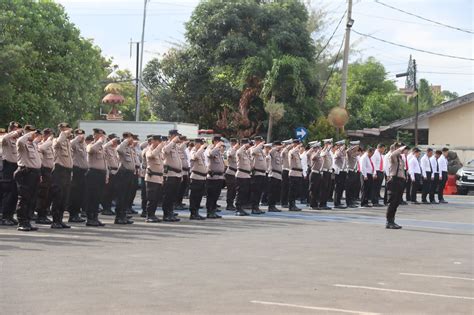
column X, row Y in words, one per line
column 48, row 72
column 425, row 95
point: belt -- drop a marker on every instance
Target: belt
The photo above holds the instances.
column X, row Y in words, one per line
column 113, row 168
column 275, row 171
column 257, row 170
column 244, row 171
column 98, row 170
column 151, row 173
column 172, row 169
column 186, row 169
column 29, row 169
column 315, row 172
column 327, row 170
column 59, row 166
column 211, row 173
column 297, row 169
column 232, row 168
column 199, row 173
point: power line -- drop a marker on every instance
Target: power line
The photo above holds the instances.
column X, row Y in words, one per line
column 336, row 59
column 412, row 48
column 426, row 19
column 453, row 73
column 332, row 35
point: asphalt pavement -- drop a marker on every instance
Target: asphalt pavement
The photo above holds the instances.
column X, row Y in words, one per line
column 308, row 262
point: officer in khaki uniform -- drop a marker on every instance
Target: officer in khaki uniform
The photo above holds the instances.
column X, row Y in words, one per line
column 230, row 173
column 27, row 177
column 185, row 178
column 96, row 177
column 111, row 187
column 353, row 177
column 78, row 184
column 274, row 176
column 45, row 148
column 397, row 178
column 259, row 169
column 197, row 185
column 173, row 170
column 242, row 176
column 340, row 171
column 215, row 176
column 295, row 174
column 285, row 172
column 326, row 174
column 316, row 162
column 61, row 175
column 144, row 146
column 154, row 177
column 125, row 177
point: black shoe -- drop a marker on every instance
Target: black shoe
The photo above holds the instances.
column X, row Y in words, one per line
column 213, row 216
column 152, row 219
column 34, row 217
column 65, row 226
column 241, row 213
column 294, row 208
column 94, row 223
column 325, row 208
column 181, row 207
column 83, row 215
column 331, row 200
column 434, row 202
column 143, row 214
column 44, row 220
column 393, row 226
column 196, row 217
column 377, row 205
column 76, row 219
column 403, row 203
column 100, row 222
column 8, row 222
column 257, row 211
column 123, row 221
column 353, row 206
column 107, row 212
column 32, row 228
column 25, row 228
column 415, row 203
column 315, row 208
column 340, row 207
column 171, row 218
column 425, row 202
column 56, row 225
column 273, row 209
column 443, row 201
column 131, row 211
column 284, row 206
column 230, row 208
column 365, row 205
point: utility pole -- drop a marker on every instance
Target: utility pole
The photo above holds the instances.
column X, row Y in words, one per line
column 410, row 84
column 139, row 77
column 416, row 102
column 137, row 91
column 345, row 60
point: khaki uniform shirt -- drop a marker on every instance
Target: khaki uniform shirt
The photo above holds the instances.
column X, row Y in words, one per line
column 284, row 157
column 111, row 157
column 45, row 149
column 275, row 168
column 232, row 161
column 172, row 160
column 294, row 160
column 154, row 162
column 9, row 149
column 79, row 154
column 216, row 164
column 316, row 160
column 62, row 150
column 259, row 164
column 351, row 154
column 327, row 160
column 28, row 155
column 339, row 161
column 198, row 165
column 184, row 158
column 397, row 164
column 96, row 155
column 243, row 163
column 126, row 156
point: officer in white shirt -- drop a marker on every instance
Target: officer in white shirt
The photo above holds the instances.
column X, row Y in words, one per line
column 414, row 170
column 367, row 170
column 443, row 175
column 434, row 176
column 426, row 173
column 377, row 159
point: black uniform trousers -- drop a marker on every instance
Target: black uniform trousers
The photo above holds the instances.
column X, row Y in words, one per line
column 110, row 192
column 44, row 192
column 154, row 192
column 358, row 185
column 132, row 192
column 95, row 182
column 331, row 188
column 325, row 188
column 284, row 187
column 377, row 187
column 183, row 186
column 367, row 187
column 351, row 187
column 230, row 183
column 27, row 181
column 415, row 184
column 426, row 186
column 442, row 184
column 294, row 192
column 434, row 186
column 214, row 188
column 197, row 189
column 396, row 193
column 126, row 180
column 78, row 188
column 60, row 191
column 340, row 185
column 386, row 194
column 256, row 189
column 10, row 190
column 304, row 189
column 266, row 187
column 315, row 180
column 143, row 193
column 242, row 187
column 274, row 191
column 170, row 186
column 408, row 184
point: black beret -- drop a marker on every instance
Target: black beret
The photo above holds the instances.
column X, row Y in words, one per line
column 90, row 138
column 79, row 132
column 198, row 140
column 216, row 138
column 276, row 142
column 47, row 131
column 157, row 137
column 173, row 132
column 98, row 131
column 149, row 136
column 164, row 138
column 127, row 134
column 112, row 136
column 258, row 138
column 233, row 140
column 296, row 141
column 244, row 141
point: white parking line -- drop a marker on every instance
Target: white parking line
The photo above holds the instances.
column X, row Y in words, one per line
column 435, row 276
column 404, row 291
column 316, row 308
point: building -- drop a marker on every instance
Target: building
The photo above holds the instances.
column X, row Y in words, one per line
column 451, row 124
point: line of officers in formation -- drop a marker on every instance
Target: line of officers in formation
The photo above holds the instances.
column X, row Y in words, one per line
column 71, row 172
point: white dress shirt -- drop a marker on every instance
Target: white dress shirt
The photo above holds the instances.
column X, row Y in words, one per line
column 386, row 159
column 366, row 165
column 425, row 165
column 413, row 167
column 443, row 164
column 304, row 162
column 376, row 159
column 434, row 165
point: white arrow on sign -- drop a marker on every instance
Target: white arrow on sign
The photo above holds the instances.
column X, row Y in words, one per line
column 301, row 133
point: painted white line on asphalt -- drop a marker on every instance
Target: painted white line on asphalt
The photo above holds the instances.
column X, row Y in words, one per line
column 404, row 291
column 316, row 308
column 435, row 276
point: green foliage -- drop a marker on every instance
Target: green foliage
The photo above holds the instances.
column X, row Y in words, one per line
column 425, row 95
column 48, row 72
column 321, row 128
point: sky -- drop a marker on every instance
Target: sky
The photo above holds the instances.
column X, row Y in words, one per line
column 113, row 23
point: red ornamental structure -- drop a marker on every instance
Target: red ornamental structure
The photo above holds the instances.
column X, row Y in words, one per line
column 113, row 98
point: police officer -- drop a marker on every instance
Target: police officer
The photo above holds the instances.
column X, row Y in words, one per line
column 396, row 177
column 314, row 156
column 61, row 175
column 285, row 172
column 96, row 177
column 125, row 176
column 274, row 176
column 377, row 159
column 198, row 177
column 173, row 170
column 326, row 170
column 242, row 177
column 353, row 176
column 230, row 173
column 295, row 174
column 367, row 170
column 144, row 146
column 10, row 159
column 340, row 173
column 111, row 187
column 185, row 174
column 79, row 170
column 154, row 177
column 27, row 177
column 215, row 176
column 427, row 174
column 2, row 133
column 132, row 192
column 414, row 170
column 45, row 148
column 259, row 168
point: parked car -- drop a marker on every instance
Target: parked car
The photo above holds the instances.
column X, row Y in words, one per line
column 465, row 178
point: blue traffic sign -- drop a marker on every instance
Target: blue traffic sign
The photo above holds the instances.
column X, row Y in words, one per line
column 301, row 133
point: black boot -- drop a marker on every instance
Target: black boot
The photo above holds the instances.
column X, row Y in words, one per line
column 196, row 216
column 293, row 207
column 273, row 209
column 241, row 212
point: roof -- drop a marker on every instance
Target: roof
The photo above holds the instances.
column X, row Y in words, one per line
column 443, row 107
